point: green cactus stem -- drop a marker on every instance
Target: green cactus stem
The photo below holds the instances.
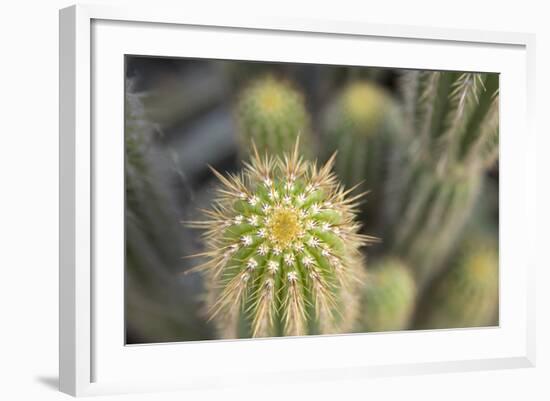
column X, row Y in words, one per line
column 271, row 113
column 359, row 125
column 439, row 165
column 282, row 250
column 389, row 297
column 467, row 294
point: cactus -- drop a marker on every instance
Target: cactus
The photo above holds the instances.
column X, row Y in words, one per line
column 436, row 178
column 157, row 307
column 389, row 297
column 282, row 250
column 359, row 124
column 467, row 294
column 271, row 114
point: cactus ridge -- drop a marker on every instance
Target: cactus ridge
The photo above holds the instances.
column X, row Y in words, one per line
column 283, row 248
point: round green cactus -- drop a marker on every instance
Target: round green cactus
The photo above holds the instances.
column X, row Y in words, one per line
column 359, row 125
column 389, row 297
column 362, row 108
column 271, row 113
column 283, row 250
column 467, row 294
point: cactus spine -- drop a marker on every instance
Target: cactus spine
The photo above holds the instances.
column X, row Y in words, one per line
column 435, row 182
column 467, row 294
column 271, row 114
column 389, row 297
column 283, row 250
column 359, row 124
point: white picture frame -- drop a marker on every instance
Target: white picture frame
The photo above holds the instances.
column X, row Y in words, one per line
column 93, row 357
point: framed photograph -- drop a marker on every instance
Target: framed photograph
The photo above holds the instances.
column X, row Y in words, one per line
column 278, row 200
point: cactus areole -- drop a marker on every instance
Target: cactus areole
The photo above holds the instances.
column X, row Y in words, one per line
column 283, row 247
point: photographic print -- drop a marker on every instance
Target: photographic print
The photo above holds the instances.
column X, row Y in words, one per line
column 268, row 199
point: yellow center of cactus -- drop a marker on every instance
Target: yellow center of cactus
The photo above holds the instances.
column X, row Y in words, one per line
column 284, row 227
column 365, row 104
column 271, row 99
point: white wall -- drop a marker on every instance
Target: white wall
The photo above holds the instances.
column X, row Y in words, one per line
column 28, row 197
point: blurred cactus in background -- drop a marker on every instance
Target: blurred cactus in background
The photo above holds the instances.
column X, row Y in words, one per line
column 157, row 306
column 359, row 124
column 440, row 162
column 467, row 294
column 389, row 297
column 283, row 250
column 272, row 114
